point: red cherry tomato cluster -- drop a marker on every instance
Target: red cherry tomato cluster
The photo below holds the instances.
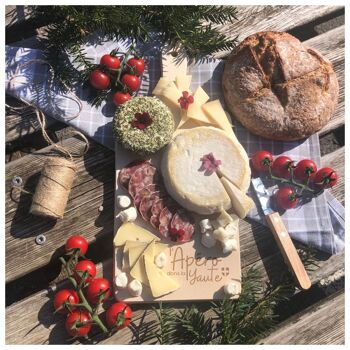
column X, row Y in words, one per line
column 81, row 302
column 304, row 174
column 120, row 75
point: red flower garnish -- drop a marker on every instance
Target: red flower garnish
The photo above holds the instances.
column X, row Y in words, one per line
column 185, row 100
column 177, row 235
column 209, row 164
column 142, row 121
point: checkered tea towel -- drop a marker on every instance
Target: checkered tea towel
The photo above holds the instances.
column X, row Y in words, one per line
column 318, row 223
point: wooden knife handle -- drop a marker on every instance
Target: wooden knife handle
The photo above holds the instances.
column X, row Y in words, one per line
column 288, row 250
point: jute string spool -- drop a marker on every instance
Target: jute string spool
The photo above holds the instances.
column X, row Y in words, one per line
column 57, row 176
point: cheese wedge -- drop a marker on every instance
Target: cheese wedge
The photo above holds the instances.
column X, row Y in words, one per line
column 161, row 85
column 159, row 282
column 138, row 269
column 200, row 97
column 173, row 66
column 217, row 115
column 136, row 252
column 132, row 232
column 183, row 82
column 196, row 113
column 127, row 246
column 241, row 203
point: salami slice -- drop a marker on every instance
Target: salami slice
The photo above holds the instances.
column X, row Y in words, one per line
column 144, row 192
column 181, row 226
column 142, row 177
column 156, row 209
column 146, row 205
column 126, row 173
column 165, row 217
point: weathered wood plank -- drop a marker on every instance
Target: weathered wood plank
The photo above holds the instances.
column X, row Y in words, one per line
column 322, row 323
column 93, row 187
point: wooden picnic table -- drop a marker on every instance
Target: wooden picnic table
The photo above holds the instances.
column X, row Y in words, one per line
column 33, row 272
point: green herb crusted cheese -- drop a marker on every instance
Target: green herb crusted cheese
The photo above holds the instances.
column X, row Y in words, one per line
column 150, row 139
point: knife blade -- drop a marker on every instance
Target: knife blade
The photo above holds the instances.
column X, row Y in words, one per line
column 281, row 235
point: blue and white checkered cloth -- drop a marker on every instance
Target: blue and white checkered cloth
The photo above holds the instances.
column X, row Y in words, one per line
column 318, row 223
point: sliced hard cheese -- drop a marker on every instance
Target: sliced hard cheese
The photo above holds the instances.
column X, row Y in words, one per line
column 217, row 116
column 132, row 232
column 196, row 113
column 127, row 246
column 159, row 282
column 241, row 203
column 135, row 253
column 161, row 85
column 171, row 94
column 173, row 66
column 187, row 184
column 200, row 96
column 183, row 82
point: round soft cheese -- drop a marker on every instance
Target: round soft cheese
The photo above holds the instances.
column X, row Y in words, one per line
column 183, row 173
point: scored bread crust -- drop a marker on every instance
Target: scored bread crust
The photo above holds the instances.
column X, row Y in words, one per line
column 278, row 88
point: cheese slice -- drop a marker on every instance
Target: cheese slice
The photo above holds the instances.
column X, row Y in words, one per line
column 138, row 269
column 192, row 188
column 200, row 97
column 161, row 85
column 183, row 82
column 132, row 232
column 196, row 112
column 127, row 246
column 241, row 203
column 217, row 115
column 159, row 282
column 135, row 253
column 173, row 66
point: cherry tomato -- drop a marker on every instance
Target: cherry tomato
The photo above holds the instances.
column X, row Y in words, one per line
column 262, row 160
column 118, row 315
column 65, row 296
column 79, row 330
column 132, row 82
column 121, row 97
column 304, row 169
column 325, row 178
column 281, row 167
column 77, row 242
column 99, row 80
column 81, row 267
column 95, row 288
column 286, row 198
column 111, row 62
column 137, row 65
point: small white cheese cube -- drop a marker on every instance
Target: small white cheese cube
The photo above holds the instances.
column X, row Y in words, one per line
column 127, row 215
column 135, row 288
column 208, row 239
column 232, row 228
column 123, row 202
column 223, row 219
column 121, row 281
column 229, row 245
column 222, row 235
column 205, row 225
column 160, row 260
column 232, row 288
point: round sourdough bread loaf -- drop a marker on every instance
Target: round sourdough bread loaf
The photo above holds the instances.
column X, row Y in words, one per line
column 278, row 88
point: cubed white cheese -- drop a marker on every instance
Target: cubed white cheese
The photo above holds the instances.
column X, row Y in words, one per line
column 128, row 215
column 205, row 225
column 222, row 235
column 232, row 229
column 135, row 288
column 160, row 260
column 229, row 245
column 232, row 288
column 208, row 239
column 123, row 201
column 121, row 281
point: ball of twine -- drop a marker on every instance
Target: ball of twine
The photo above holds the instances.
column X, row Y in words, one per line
column 51, row 195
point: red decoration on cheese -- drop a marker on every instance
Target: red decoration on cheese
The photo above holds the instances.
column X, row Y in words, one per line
column 185, row 100
column 209, row 164
column 177, row 235
column 142, row 121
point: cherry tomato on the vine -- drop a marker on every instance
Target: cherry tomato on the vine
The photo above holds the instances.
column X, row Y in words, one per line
column 77, row 242
column 137, row 65
column 96, row 288
column 262, row 160
column 325, row 178
column 304, row 169
column 81, row 267
column 286, row 198
column 99, row 80
column 118, row 315
column 111, row 62
column 132, row 82
column 76, row 317
column 281, row 167
column 65, row 296
column 121, row 97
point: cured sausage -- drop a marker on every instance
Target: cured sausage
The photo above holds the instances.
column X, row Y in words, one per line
column 146, row 205
column 181, row 226
column 126, row 173
column 165, row 217
column 142, row 177
column 144, row 192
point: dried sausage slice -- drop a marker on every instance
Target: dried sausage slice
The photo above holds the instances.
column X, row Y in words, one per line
column 126, row 173
column 181, row 226
column 142, row 177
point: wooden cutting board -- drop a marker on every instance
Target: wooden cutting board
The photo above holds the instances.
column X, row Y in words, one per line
column 201, row 272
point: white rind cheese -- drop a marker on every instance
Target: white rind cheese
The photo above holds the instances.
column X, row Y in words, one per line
column 192, row 188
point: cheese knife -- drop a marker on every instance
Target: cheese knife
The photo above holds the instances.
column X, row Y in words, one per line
column 281, row 235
